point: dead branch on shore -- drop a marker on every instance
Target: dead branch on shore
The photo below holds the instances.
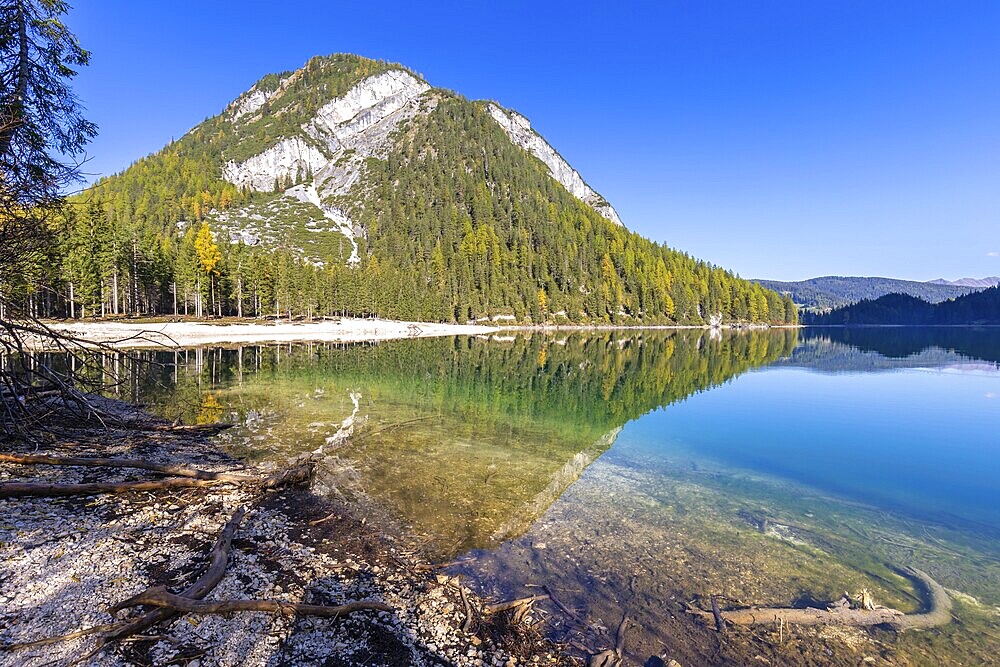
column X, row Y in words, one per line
column 562, row 607
column 160, row 597
column 720, row 623
column 295, row 474
column 210, row 578
column 40, row 490
column 466, row 607
column 204, row 585
column 33, row 391
column 45, row 641
column 841, row 613
column 512, row 604
column 96, row 462
column 201, row 429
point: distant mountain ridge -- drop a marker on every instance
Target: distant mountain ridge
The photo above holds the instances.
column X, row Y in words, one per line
column 976, row 308
column 978, row 283
column 828, row 292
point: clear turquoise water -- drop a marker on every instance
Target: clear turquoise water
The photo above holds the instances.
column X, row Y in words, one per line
column 924, row 442
column 639, row 470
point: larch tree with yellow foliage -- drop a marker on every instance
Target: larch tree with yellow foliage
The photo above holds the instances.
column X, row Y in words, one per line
column 209, row 256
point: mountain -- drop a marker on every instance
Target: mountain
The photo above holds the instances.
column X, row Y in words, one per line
column 979, row 308
column 835, row 291
column 352, row 186
column 978, row 283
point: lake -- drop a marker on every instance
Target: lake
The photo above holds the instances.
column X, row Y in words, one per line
column 640, row 472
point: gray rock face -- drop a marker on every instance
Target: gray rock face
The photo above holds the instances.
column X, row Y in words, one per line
column 286, row 159
column 518, row 128
column 333, row 145
column 248, row 103
column 343, row 133
column 360, row 125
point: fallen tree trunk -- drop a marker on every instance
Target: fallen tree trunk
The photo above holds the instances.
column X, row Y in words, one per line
column 294, row 475
column 37, row 490
column 937, row 601
column 160, row 597
column 95, row 462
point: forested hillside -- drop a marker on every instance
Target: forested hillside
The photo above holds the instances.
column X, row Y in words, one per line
column 351, row 187
column 976, row 308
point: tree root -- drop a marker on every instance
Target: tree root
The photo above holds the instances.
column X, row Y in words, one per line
column 159, row 597
column 204, row 585
column 45, row 641
column 840, row 613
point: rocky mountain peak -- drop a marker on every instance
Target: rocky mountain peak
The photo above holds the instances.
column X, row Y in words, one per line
column 322, row 141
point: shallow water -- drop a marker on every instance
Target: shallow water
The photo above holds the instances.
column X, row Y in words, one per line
column 638, row 471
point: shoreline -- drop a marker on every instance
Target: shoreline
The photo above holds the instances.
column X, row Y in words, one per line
column 138, row 334
column 126, row 334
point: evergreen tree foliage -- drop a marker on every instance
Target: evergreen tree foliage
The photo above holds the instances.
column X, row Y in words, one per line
column 42, row 131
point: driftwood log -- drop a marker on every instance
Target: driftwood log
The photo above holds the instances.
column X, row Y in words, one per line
column 160, row 597
column 97, row 462
column 512, row 604
column 936, row 600
column 204, row 585
column 34, row 489
column 295, row 474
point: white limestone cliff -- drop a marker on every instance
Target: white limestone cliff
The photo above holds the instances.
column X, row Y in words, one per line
column 249, row 102
column 286, row 159
column 518, row 128
column 364, row 105
column 360, row 125
column 334, row 144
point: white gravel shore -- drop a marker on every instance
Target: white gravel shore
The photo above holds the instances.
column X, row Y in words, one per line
column 346, row 330
column 65, row 561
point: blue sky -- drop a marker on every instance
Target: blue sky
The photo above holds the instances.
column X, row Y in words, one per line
column 781, row 140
